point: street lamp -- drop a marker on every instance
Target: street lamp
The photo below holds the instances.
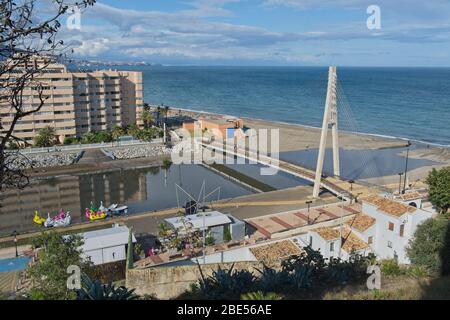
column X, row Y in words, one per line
column 309, row 205
column 15, row 242
column 406, row 165
column 341, row 220
column 351, row 184
column 400, row 182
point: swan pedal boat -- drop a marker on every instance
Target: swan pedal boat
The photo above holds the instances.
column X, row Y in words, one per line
column 62, row 219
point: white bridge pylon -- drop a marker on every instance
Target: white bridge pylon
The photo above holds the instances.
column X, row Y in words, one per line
column 330, row 119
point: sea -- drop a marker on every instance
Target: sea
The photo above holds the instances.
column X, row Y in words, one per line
column 409, row 103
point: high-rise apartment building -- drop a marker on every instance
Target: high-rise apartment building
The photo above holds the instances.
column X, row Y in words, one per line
column 78, row 102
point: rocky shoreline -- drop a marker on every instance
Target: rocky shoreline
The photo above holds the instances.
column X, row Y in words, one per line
column 43, row 160
column 138, row 152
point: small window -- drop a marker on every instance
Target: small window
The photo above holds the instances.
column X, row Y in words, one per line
column 391, row 226
column 370, row 240
column 389, row 244
column 310, row 240
column 331, row 246
column 402, row 230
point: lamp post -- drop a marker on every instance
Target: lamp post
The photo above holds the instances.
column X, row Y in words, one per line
column 400, row 182
column 341, row 222
column 15, row 242
column 406, row 166
column 309, row 205
column 351, row 184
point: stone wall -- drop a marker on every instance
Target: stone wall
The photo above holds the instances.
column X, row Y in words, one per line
column 170, row 282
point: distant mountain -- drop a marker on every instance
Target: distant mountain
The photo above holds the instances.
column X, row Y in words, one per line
column 96, row 63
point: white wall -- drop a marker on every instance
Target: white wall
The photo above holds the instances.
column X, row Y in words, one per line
column 383, row 235
column 320, row 244
column 235, row 255
column 105, row 255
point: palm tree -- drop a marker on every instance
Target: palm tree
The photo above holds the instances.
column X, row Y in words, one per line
column 117, row 132
column 147, row 118
column 133, row 130
column 45, row 137
column 166, row 111
column 158, row 114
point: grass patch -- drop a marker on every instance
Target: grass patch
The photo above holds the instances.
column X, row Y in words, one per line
column 398, row 288
column 243, row 178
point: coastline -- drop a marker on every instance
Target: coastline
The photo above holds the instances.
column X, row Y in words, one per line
column 304, row 126
column 303, row 137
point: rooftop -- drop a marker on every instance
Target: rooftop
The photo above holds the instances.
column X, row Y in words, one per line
column 351, row 242
column 328, row 233
column 105, row 238
column 410, row 196
column 361, row 222
column 388, row 206
column 276, row 223
column 275, row 252
column 200, row 220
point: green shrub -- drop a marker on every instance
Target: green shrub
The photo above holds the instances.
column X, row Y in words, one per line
column 226, row 233
column 390, row 267
column 416, row 271
column 439, row 188
column 209, row 241
column 430, row 248
column 70, row 140
column 259, row 295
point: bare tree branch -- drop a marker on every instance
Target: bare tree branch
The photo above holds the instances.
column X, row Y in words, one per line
column 28, row 44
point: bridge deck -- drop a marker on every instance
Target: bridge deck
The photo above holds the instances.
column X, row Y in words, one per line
column 335, row 185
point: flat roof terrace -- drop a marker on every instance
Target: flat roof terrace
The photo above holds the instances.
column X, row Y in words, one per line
column 269, row 225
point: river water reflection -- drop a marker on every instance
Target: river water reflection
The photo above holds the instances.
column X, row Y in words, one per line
column 141, row 189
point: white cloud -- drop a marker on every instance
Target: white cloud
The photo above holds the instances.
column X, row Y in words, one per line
column 191, row 34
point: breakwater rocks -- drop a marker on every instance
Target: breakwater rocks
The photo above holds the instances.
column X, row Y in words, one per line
column 139, row 152
column 41, row 160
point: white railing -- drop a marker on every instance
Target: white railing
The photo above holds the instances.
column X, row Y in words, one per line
column 78, row 147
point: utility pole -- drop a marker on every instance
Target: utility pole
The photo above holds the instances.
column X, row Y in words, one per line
column 400, row 183
column 406, row 166
column 330, row 118
column 309, row 206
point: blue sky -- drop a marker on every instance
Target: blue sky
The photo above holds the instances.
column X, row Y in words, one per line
column 265, row 32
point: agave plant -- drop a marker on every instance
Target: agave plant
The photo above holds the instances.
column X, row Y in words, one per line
column 259, row 295
column 95, row 290
column 272, row 280
column 225, row 284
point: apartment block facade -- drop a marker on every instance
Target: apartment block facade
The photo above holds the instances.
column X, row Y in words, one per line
column 79, row 102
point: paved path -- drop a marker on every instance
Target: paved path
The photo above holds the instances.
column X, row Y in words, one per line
column 8, row 281
column 93, row 156
column 10, row 252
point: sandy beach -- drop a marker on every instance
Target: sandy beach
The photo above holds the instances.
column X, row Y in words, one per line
column 295, row 137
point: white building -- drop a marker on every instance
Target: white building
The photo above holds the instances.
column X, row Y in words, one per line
column 395, row 225
column 384, row 227
column 106, row 245
column 211, row 221
column 335, row 242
